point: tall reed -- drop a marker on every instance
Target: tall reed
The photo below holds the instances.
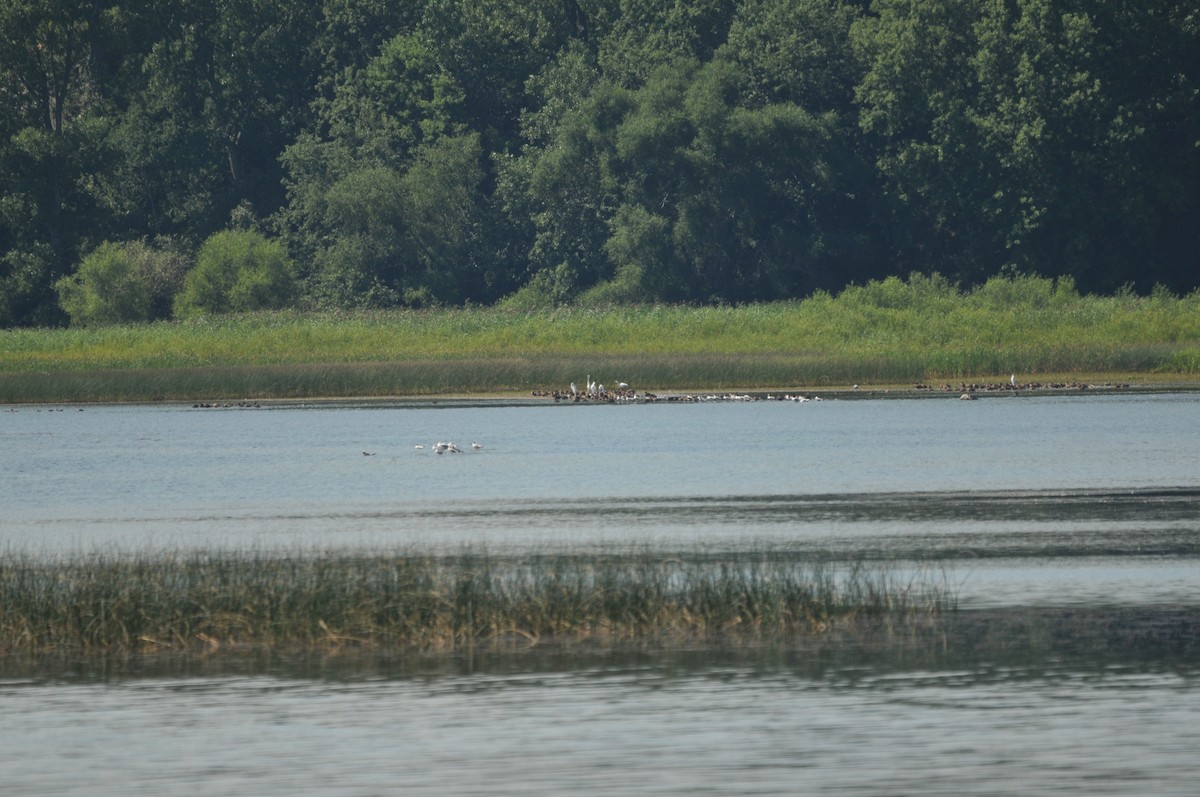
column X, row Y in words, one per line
column 226, row 600
column 894, row 331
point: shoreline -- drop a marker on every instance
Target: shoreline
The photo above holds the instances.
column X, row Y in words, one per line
column 531, row 380
column 975, row 390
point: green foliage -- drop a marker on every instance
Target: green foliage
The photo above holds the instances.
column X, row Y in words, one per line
column 453, row 151
column 443, row 219
column 120, row 283
column 105, row 290
column 893, row 331
column 1016, row 134
column 236, row 271
column 25, row 278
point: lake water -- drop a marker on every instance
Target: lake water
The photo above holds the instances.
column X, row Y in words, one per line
column 1069, row 526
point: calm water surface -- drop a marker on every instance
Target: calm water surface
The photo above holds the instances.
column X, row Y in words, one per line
column 1069, row 524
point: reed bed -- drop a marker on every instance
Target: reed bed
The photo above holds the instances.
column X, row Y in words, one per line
column 329, row 601
column 890, row 332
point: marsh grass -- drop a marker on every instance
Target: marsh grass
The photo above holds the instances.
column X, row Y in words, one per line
column 328, row 601
column 889, row 332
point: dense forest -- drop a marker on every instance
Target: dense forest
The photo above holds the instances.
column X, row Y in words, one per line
column 165, row 158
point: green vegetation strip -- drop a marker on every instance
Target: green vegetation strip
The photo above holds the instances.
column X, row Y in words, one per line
column 888, row 332
column 242, row 601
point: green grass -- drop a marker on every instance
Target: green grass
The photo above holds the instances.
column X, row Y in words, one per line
column 327, row 600
column 889, row 332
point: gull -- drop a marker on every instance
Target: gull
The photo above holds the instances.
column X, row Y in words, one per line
column 476, row 446
column 368, row 453
column 622, row 385
column 418, row 445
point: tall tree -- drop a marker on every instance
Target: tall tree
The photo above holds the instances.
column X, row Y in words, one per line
column 226, row 87
column 645, row 35
column 49, row 150
column 915, row 107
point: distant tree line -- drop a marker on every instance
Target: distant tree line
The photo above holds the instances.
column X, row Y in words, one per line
column 165, row 158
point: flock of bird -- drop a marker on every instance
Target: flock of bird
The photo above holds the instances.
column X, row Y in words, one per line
column 446, row 448
column 441, row 447
column 595, row 389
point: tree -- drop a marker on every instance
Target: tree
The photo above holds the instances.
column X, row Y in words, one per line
column 224, row 88
column 237, row 271
column 572, row 193
column 443, row 218
column 646, row 35
column 490, row 48
column 796, row 51
column 119, row 283
column 44, row 49
column 51, row 144
column 1039, row 136
column 915, row 99
column 362, row 261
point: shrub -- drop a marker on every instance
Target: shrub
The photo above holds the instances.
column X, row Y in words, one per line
column 237, row 271
column 123, row 282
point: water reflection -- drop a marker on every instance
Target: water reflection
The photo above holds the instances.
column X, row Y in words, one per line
column 1060, row 702
column 1010, row 644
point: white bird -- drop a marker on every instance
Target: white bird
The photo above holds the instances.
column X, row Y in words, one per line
column 623, row 385
column 574, row 390
column 1012, row 380
column 418, row 445
column 476, row 446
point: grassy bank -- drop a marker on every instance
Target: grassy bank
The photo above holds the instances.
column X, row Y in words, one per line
column 891, row 332
column 230, row 601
